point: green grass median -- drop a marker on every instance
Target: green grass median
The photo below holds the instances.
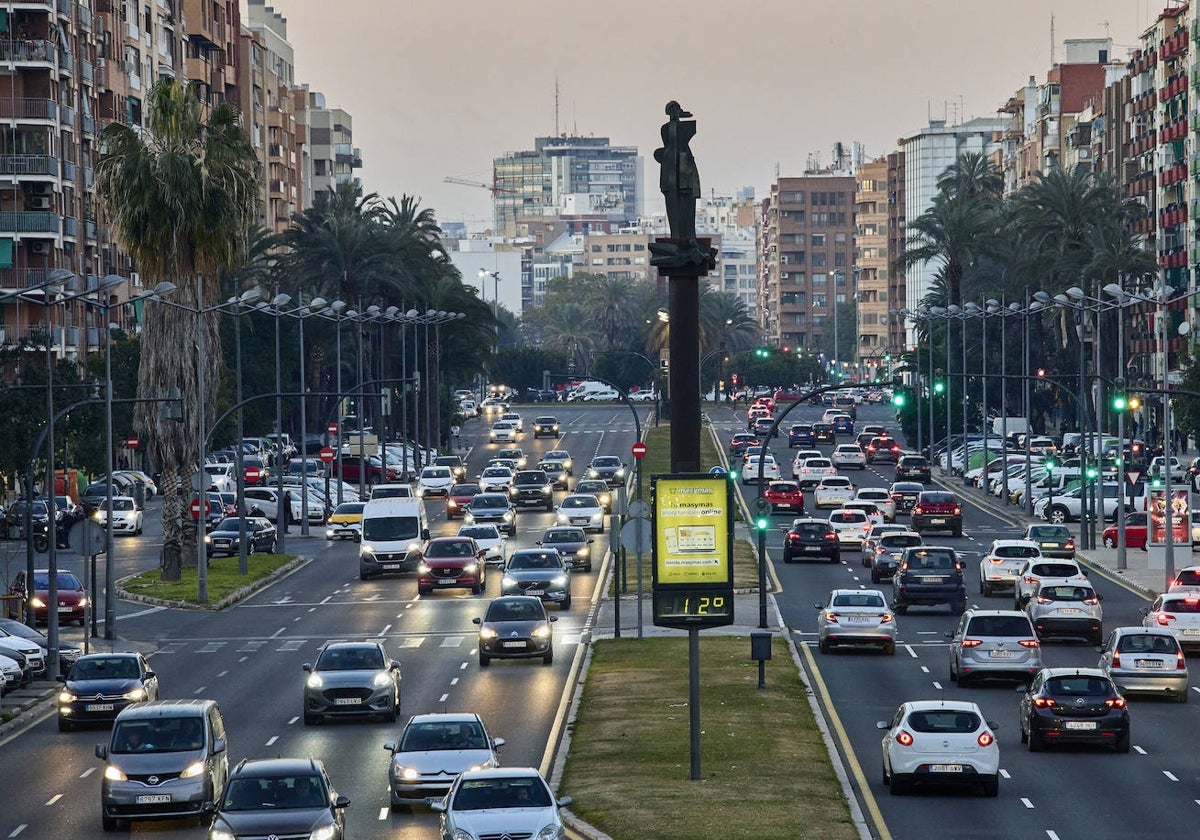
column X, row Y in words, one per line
column 765, row 771
column 223, row 579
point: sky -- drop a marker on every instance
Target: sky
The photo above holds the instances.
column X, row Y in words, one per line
column 440, row 89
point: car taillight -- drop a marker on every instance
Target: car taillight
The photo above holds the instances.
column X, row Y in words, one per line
column 897, row 497
column 1042, row 600
column 1093, row 601
column 985, row 739
column 1163, row 618
column 832, row 535
column 970, row 643
column 831, row 617
column 917, row 510
column 904, row 739
column 1070, row 546
column 957, row 510
column 996, row 560
column 1180, row 664
column 1116, row 659
column 886, row 617
column 1115, row 703
column 1043, row 702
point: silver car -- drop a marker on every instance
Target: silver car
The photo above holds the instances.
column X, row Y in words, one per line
column 855, row 617
column 1146, row 660
column 1067, row 609
column 351, row 678
column 994, row 643
column 501, row 802
column 432, row 750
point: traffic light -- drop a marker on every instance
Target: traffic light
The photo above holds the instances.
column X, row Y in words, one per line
column 785, row 348
column 1119, row 401
column 761, row 523
column 1134, row 403
column 1092, row 472
column 732, row 474
column 762, row 352
column 939, row 383
column 1156, row 481
column 1041, row 372
column 899, row 399
column 1049, row 464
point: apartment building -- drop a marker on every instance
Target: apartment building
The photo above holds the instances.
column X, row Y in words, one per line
column 213, row 61
column 330, row 156
column 872, row 265
column 897, row 242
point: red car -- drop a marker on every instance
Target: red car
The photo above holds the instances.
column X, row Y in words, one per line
column 459, row 497
column 785, row 496
column 787, row 396
column 1135, row 531
column 451, row 563
column 72, row 597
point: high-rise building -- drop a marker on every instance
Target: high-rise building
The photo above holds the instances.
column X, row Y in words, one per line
column 897, row 341
column 872, row 267
column 330, row 154
column 213, row 61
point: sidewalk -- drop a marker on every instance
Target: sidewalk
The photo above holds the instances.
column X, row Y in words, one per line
column 26, row 705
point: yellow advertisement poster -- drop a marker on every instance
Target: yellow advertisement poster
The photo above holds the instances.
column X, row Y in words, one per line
column 691, row 530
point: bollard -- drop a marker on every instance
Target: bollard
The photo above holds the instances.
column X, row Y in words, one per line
column 760, row 652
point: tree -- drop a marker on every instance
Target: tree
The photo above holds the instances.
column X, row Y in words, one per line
column 181, row 196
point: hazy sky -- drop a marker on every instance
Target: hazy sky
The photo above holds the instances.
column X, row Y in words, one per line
column 440, row 88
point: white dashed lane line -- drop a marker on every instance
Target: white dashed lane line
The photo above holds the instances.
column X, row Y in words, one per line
column 271, row 741
column 924, row 669
column 17, row 831
column 441, row 699
column 54, row 798
column 293, row 720
column 1051, row 835
column 937, row 685
column 911, row 652
column 1166, row 773
column 383, row 812
column 1026, row 803
column 1138, row 750
column 87, row 772
column 1004, row 773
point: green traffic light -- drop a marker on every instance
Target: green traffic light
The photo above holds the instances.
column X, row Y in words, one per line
column 733, row 475
column 1119, row 403
column 1050, row 465
column 898, row 400
column 1091, row 472
column 939, row 387
column 761, row 523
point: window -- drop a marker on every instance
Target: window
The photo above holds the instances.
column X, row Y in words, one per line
column 839, row 258
column 819, row 280
column 839, row 238
column 818, row 240
column 818, row 260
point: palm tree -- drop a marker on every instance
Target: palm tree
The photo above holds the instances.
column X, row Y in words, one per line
column 181, row 196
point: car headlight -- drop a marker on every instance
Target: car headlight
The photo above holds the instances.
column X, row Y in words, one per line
column 508, row 516
column 383, row 678
column 329, row 533
column 583, row 552
column 422, row 568
column 114, row 774
column 315, row 681
column 83, row 602
column 487, row 633
column 97, row 516
column 561, row 580
column 550, row 832
column 563, row 519
column 592, row 474
column 460, row 834
column 620, row 473
column 196, row 768
column 66, row 697
column 366, row 549
column 547, row 490
column 138, row 693
column 471, row 568
column 450, row 503
column 542, row 631
column 220, row 834
column 408, row 774
column 36, row 602
column 508, row 582
column 598, row 515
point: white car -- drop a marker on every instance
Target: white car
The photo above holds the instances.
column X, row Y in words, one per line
column 435, row 481
column 514, row 418
column 561, row 455
column 10, row 673
column 882, row 499
column 501, row 802
column 770, row 469
column 514, row 453
column 583, row 510
column 1067, row 609
column 504, row 431
column 496, row 480
column 220, row 478
column 1036, row 569
column 1002, row 564
column 1178, row 612
column 851, row 527
column 869, row 508
column 812, row 471
column 855, row 617
column 1178, row 470
column 489, row 539
column 833, row 491
column 601, row 395
column 940, row 742
column 127, row 519
column 141, row 478
column 641, row 396
column 847, row 455
column 872, row 539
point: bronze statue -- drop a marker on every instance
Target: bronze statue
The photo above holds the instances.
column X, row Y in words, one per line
column 679, row 180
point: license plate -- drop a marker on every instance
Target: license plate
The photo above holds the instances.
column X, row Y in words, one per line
column 945, row 768
column 783, row 504
column 535, row 591
column 1080, row 724
column 153, row 799
column 1191, row 631
column 1148, row 663
column 391, row 567
column 1001, row 654
column 98, row 707
column 447, row 581
column 931, row 580
column 937, row 521
column 347, row 701
column 579, row 521
column 512, row 644
column 858, row 620
column 812, row 548
column 1068, row 611
column 65, row 609
column 1049, row 545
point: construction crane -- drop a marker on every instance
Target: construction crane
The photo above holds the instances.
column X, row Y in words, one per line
column 493, row 187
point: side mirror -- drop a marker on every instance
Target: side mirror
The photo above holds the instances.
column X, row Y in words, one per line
column 306, row 667
column 590, row 540
column 1144, row 611
column 438, row 805
column 993, row 725
column 881, row 724
column 219, row 745
column 209, row 808
column 477, row 621
column 553, row 618
column 948, row 635
column 150, row 675
column 1022, row 689
column 819, row 606
column 539, row 542
column 564, row 801
column 342, row 802
column 390, row 746
column 497, row 743
column 395, row 666
column 102, row 751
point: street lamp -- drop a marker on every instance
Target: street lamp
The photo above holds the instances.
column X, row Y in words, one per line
column 495, row 275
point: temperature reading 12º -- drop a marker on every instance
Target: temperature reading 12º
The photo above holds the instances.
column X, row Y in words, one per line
column 700, row 605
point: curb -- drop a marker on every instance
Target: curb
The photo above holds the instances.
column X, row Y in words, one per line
column 30, row 712
column 228, row 601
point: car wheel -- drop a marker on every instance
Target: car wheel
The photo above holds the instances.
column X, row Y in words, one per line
column 108, row 823
column 484, row 660
column 1181, row 697
column 787, row 558
column 363, row 576
column 889, row 648
column 883, row 773
column 587, row 567
column 1109, row 542
column 902, row 609
column 958, row 607
column 1035, row 740
column 566, row 604
column 991, row 785
column 1057, row 515
column 548, row 656
column 549, row 506
column 875, row 578
column 477, row 588
column 823, row 646
column 401, row 807
column 958, row 531
column 423, row 590
column 1024, row 737
column 311, row 719
column 1122, row 744
column 835, row 558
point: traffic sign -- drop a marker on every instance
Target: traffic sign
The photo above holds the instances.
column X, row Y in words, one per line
column 637, row 536
column 717, row 471
column 195, row 508
column 639, row 509
column 87, row 537
column 132, row 442
column 639, row 450
column 1133, row 476
column 762, row 507
column 332, row 428
column 327, row 454
column 252, row 474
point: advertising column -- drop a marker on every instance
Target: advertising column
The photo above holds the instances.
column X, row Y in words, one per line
column 693, row 547
column 1181, row 527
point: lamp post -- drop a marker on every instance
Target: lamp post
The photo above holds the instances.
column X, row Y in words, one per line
column 306, row 310
column 495, row 275
column 275, row 308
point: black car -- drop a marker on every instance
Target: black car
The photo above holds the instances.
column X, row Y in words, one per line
column 762, row 427
column 224, row 538
column 823, row 433
column 913, row 468
column 280, row 797
column 929, row 575
column 68, row 652
column 607, row 467
column 492, row 507
column 532, row 487
column 1074, row 705
column 800, row 434
column 905, row 495
column 811, row 538
column 99, row 686
column 572, row 544
column 739, row 442
column 547, row 426
column 888, row 552
column 515, row 627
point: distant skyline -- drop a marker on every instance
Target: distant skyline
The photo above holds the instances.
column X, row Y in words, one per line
column 440, row 89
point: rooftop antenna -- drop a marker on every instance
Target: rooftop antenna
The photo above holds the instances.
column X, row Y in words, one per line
column 1107, row 34
column 1052, row 39
column 574, row 120
column 555, row 104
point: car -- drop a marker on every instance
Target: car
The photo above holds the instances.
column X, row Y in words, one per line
column 905, row 495
column 801, row 434
column 515, row 627
column 546, row 425
column 1074, row 705
column 888, row 552
column 100, row 685
column 147, row 483
column 1053, row 540
column 929, row 575
column 811, row 471
column 832, row 491
column 598, row 488
column 756, row 413
column 1036, row 569
column 513, row 453
column 351, row 678
column 496, row 479
column 811, row 538
column 1002, row 562
column 881, row 498
column 452, row 563
column 855, row 617
column 740, row 441
column 823, row 433
column 503, row 431
column 851, row 527
column 540, row 573
column 1137, row 526
column 456, row 465
column 608, row 467
column 432, row 750
column 913, row 468
column 764, row 427
column 459, row 497
column 561, row 455
column 492, row 507
column 843, row 424
column 226, row 537
column 489, row 539
column 68, row 652
column 345, row 522
column 994, row 643
column 1186, row 579
column 642, row 395
column 278, row 797
column 399, row 490
column 871, row 540
column 532, row 487
column 848, row 455
column 72, row 596
column 28, row 654
column 501, row 802
column 1146, row 660
column 435, row 481
column 940, row 742
column 126, row 517
column 514, row 418
column 572, row 544
column 937, row 510
column 556, row 472
column 874, row 514
column 785, row 496
column 1178, row 612
column 583, row 510
column 883, row 449
column 768, row 465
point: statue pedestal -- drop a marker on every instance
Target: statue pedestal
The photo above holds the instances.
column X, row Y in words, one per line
column 683, row 257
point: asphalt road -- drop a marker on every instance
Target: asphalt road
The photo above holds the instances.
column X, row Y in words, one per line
column 248, row 658
column 1062, row 793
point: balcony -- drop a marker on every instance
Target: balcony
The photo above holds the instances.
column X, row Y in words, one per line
column 27, row 51
column 89, row 227
column 28, row 165
column 21, row 221
column 28, row 109
column 70, row 226
column 276, row 187
column 85, row 17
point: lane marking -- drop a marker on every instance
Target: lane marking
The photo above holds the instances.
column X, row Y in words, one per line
column 271, row 741
column 382, row 632
column 16, row 831
column 278, row 632
column 463, row 666
column 1004, row 773
column 293, row 720
column 87, row 772
column 383, row 812
column 937, row 685
column 200, row 690
column 312, row 609
column 454, row 681
column 54, row 798
column 911, row 652
column 223, row 673
column 325, row 600
column 1166, row 773
column 1138, row 750
column 1051, row 835
column 443, row 698
column 243, row 659
column 924, row 669
column 1026, row 803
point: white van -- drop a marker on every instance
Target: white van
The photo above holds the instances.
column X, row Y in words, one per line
column 584, row 389
column 392, row 533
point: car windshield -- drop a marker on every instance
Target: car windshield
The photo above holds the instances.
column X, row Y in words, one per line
column 160, row 734
column 592, row 487
column 443, row 735
column 949, row 721
column 1147, row 643
column 512, row 792
column 530, row 477
column 938, row 560
column 365, row 658
column 1066, row 593
column 1049, row 532
column 496, row 472
column 840, row 483
column 450, row 548
column 577, row 502
column 388, row 528
column 535, row 560
column 1017, row 551
column 607, row 461
column 859, row 599
column 563, row 535
column 1181, row 605
column 488, row 500
column 1000, row 625
column 464, row 489
column 811, row 529
column 784, row 487
column 855, row 517
column 1188, row 577
column 1054, row 570
column 448, row 461
column 66, row 580
column 435, row 472
column 479, row 532
column 1078, row 685
column 900, row 541
column 274, row 793
column 502, row 610
column 105, row 668
column 937, row 498
column 350, row 507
